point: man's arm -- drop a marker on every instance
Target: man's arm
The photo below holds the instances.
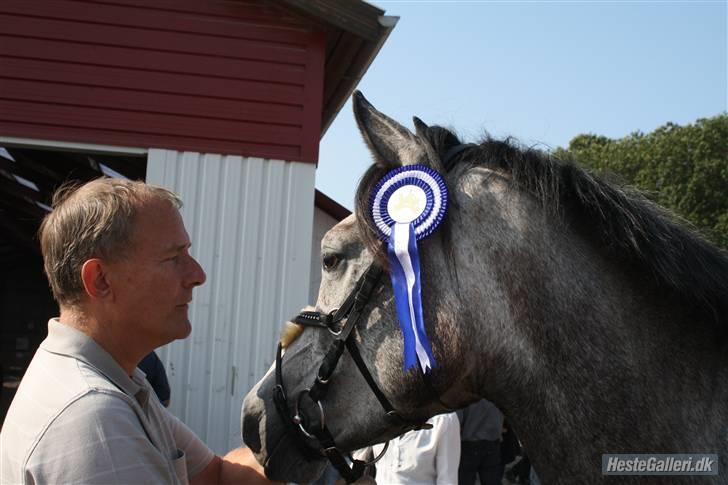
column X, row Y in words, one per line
column 238, row 466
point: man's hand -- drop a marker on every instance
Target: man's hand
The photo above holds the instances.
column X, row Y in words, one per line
column 238, row 466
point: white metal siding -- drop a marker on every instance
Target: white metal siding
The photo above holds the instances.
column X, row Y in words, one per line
column 249, row 221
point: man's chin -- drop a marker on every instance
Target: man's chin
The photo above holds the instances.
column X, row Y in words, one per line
column 180, row 330
column 185, row 330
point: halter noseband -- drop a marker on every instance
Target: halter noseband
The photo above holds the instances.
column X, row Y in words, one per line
column 302, row 428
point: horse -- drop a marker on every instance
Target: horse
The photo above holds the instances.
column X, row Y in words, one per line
column 590, row 316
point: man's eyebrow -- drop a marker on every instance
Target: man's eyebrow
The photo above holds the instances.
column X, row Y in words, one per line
column 175, row 248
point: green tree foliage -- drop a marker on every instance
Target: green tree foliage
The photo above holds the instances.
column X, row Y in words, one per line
column 683, row 168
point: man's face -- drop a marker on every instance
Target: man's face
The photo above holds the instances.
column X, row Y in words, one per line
column 152, row 284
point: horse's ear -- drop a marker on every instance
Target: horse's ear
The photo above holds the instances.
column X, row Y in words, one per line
column 391, row 143
column 420, row 127
column 422, row 131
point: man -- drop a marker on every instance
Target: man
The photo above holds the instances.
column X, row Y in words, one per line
column 117, row 257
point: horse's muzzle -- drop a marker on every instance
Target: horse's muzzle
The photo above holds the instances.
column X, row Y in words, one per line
column 266, row 436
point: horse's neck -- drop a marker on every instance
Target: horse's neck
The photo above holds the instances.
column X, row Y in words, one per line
column 602, row 364
column 580, row 407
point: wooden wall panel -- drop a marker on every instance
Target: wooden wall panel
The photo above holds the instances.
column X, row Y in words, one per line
column 208, row 76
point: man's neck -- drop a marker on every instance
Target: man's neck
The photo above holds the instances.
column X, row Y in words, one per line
column 106, row 334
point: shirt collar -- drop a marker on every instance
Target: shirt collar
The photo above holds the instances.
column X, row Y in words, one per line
column 65, row 340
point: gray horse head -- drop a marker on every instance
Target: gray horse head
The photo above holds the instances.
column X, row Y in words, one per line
column 591, row 319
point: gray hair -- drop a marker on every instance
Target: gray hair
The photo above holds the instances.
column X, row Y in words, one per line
column 91, row 220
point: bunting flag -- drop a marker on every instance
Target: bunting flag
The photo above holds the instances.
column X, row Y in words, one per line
column 407, row 205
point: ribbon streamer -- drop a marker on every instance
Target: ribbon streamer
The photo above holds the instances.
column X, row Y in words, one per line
column 404, row 261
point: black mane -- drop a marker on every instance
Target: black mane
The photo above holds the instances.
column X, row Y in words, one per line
column 629, row 228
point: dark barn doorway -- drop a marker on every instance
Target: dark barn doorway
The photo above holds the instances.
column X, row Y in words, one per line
column 28, row 178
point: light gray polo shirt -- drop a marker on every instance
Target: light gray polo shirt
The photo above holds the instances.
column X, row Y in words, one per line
column 77, row 417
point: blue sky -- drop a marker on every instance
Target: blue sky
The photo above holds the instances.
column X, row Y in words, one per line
column 543, row 72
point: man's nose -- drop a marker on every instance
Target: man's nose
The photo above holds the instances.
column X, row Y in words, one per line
column 197, row 275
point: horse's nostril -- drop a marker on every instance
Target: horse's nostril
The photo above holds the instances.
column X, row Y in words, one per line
column 251, row 432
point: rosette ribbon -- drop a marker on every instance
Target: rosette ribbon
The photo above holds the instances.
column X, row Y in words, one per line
column 407, row 204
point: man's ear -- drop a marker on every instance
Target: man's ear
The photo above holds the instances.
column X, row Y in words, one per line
column 94, row 278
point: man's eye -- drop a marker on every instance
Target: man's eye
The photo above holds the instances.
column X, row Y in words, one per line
column 331, row 261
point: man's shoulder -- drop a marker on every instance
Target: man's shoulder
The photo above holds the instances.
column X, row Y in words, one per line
column 97, row 437
column 55, row 386
column 51, row 373
column 94, row 416
column 54, row 381
column 58, row 412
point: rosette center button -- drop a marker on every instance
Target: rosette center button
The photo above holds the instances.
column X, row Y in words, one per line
column 406, row 204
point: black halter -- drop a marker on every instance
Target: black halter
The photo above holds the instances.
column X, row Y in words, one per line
column 302, row 427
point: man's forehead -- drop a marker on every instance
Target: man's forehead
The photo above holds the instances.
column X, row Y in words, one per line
column 160, row 223
column 157, row 208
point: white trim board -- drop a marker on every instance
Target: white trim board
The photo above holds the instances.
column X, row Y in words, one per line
column 70, row 146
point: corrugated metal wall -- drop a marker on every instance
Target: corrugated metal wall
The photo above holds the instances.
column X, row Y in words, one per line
column 250, row 222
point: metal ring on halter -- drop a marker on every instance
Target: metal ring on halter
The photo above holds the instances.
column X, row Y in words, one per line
column 298, row 419
column 380, row 455
column 334, row 333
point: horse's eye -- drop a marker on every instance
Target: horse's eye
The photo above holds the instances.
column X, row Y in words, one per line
column 331, row 261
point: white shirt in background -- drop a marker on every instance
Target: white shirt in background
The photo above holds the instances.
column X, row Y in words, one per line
column 427, row 456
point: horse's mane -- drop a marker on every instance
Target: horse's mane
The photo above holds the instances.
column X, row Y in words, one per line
column 627, row 227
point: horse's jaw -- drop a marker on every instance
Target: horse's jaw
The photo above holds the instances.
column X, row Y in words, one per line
column 286, row 464
column 272, row 446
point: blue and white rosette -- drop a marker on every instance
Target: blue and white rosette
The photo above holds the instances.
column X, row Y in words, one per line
column 407, row 204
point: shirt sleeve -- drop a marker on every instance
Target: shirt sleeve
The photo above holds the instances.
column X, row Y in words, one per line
column 447, row 459
column 197, row 454
column 98, row 438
